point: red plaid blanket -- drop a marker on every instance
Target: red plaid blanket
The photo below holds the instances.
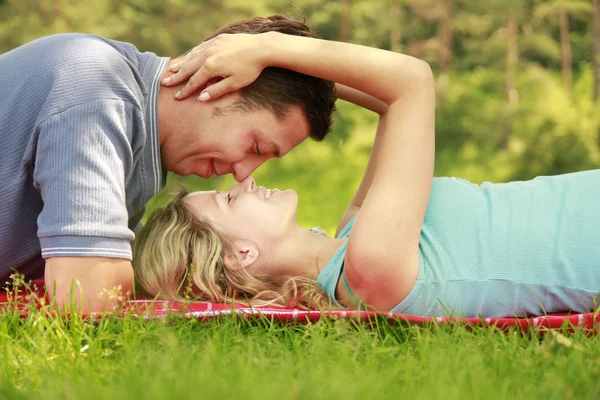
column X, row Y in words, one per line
column 204, row 310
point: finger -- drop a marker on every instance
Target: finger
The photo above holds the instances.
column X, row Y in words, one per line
column 186, row 69
column 218, row 89
column 186, row 58
column 196, row 52
column 177, row 66
column 182, row 62
column 198, row 80
column 198, row 49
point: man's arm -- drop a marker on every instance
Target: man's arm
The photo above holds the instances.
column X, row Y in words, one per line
column 95, row 282
column 83, row 158
column 361, row 99
column 370, row 103
column 365, row 184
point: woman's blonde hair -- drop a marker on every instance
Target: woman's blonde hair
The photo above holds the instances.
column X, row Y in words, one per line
column 181, row 257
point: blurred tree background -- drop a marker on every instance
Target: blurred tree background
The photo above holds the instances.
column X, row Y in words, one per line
column 518, row 80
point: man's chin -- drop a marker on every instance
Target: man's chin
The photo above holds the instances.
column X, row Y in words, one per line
column 181, row 172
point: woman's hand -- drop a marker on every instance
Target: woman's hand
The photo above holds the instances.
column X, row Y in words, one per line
column 233, row 60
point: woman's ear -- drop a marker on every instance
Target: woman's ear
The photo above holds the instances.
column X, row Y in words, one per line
column 247, row 253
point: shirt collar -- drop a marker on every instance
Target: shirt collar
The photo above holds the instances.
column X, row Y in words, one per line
column 152, row 126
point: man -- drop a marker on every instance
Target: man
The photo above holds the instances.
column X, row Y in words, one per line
column 86, row 138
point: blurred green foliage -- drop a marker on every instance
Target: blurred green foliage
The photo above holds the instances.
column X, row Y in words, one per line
column 504, row 113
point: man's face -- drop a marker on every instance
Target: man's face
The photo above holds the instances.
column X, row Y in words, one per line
column 214, row 138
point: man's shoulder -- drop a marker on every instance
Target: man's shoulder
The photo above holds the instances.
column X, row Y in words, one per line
column 77, row 46
column 88, row 68
column 91, row 57
column 71, row 62
column 66, row 53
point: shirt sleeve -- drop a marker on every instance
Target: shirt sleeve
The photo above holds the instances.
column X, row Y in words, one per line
column 83, row 159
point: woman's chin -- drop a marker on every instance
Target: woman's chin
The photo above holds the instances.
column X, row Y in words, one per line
column 292, row 195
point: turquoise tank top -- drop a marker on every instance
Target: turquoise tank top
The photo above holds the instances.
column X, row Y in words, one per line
column 496, row 250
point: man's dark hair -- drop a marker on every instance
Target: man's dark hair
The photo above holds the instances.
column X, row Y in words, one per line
column 278, row 89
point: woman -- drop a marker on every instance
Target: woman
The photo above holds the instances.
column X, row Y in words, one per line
column 407, row 243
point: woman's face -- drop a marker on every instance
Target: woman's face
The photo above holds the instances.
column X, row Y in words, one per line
column 249, row 212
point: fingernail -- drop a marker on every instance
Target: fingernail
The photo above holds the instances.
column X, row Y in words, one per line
column 166, row 80
column 204, row 96
column 174, row 67
column 178, row 94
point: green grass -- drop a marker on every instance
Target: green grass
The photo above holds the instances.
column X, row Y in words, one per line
column 177, row 358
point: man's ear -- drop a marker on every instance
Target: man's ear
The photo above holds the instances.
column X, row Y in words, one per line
column 247, row 253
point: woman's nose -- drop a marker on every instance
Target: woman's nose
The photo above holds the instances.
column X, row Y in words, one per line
column 247, row 185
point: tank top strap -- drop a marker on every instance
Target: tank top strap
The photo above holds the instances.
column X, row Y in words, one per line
column 329, row 276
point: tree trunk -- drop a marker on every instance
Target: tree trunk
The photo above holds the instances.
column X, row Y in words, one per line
column 55, row 14
column 56, row 8
column 395, row 26
column 510, row 93
column 344, row 33
column 565, row 44
column 596, row 49
column 446, row 32
column 446, row 40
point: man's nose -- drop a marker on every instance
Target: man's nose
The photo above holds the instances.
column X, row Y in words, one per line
column 242, row 169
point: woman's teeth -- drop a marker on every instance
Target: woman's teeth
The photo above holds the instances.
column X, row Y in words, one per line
column 268, row 193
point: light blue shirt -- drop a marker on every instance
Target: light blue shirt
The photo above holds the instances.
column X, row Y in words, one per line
column 513, row 249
